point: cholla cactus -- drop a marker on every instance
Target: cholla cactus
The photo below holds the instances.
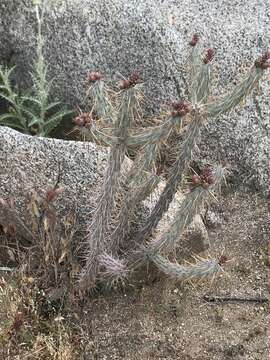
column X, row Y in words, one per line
column 114, row 250
column 98, row 232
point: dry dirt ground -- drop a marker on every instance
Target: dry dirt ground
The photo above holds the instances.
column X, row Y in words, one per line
column 161, row 320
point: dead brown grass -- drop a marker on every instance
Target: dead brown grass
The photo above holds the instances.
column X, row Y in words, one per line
column 28, row 330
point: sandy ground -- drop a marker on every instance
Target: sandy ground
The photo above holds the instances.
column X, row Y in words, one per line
column 162, row 320
column 158, row 319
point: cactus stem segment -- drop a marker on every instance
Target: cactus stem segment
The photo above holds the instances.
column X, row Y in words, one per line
column 200, row 270
column 175, row 179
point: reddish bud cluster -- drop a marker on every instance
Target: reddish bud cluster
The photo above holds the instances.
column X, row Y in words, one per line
column 196, row 180
column 194, row 40
column 262, row 62
column 94, row 76
column 222, row 260
column 209, row 55
column 84, row 119
column 207, row 175
column 204, row 179
column 180, row 108
column 134, row 79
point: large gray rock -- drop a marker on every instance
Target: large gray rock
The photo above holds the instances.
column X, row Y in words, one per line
column 30, row 164
column 120, row 36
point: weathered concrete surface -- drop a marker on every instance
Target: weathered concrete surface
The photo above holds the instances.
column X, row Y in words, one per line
column 151, row 36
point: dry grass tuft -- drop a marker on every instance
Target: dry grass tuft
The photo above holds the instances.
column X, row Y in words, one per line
column 37, row 277
column 29, row 329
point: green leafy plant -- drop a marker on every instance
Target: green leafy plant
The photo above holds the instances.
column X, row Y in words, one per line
column 31, row 113
column 114, row 248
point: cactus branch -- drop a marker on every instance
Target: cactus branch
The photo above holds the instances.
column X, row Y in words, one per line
column 140, row 185
column 198, row 271
column 200, row 87
column 98, row 94
column 191, row 205
column 196, row 60
column 138, row 138
column 174, row 181
column 169, row 239
column 201, row 72
column 97, row 234
column 240, row 92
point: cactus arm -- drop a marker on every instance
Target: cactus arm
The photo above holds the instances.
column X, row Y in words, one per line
column 174, row 181
column 191, row 205
column 200, row 72
column 100, row 136
column 137, row 138
column 183, row 218
column 196, row 59
column 170, row 238
column 140, row 184
column 96, row 239
column 198, row 271
column 197, row 71
column 154, row 134
column 200, row 87
column 118, row 150
column 101, row 105
column 240, row 92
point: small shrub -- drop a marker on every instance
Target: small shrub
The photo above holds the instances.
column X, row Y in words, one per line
column 25, row 332
column 47, row 245
column 32, row 112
